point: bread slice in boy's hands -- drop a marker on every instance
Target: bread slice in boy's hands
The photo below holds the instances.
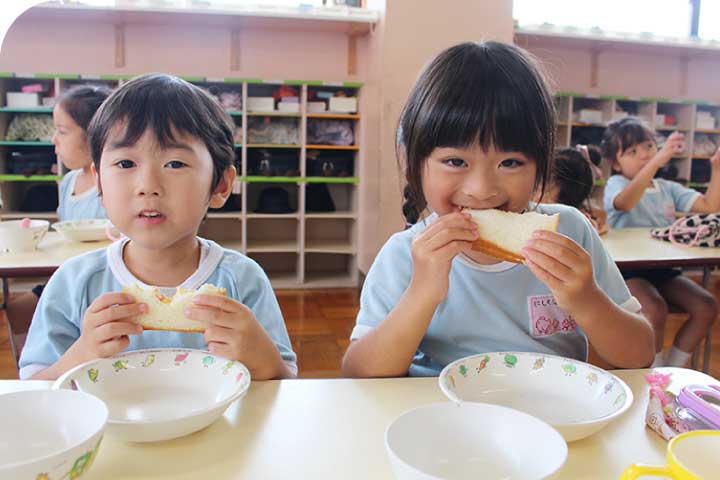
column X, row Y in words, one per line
column 503, row 234
column 165, row 313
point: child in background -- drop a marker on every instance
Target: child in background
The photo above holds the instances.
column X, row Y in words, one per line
column 79, row 196
column 478, row 132
column 571, row 182
column 164, row 153
column 634, row 198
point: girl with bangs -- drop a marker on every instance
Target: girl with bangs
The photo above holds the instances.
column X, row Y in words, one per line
column 634, row 198
column 478, row 132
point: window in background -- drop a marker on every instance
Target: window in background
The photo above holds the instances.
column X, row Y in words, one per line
column 669, row 18
column 709, row 20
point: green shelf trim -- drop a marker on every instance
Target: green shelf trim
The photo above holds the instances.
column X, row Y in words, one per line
column 613, row 97
column 238, row 145
column 262, row 179
column 192, row 78
column 314, row 83
column 26, row 109
column 648, row 99
column 696, row 184
column 26, row 144
column 353, row 84
column 569, row 94
column 600, row 182
column 64, row 76
column 7, row 74
column 262, row 145
column 117, row 77
column 332, row 179
column 665, row 100
column 296, row 82
column 32, row 178
column 234, row 113
column 244, row 79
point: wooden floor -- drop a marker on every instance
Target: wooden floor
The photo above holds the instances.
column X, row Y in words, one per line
column 319, row 324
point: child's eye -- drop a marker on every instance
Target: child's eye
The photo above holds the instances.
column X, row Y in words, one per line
column 455, row 162
column 125, row 164
column 510, row 163
column 175, row 164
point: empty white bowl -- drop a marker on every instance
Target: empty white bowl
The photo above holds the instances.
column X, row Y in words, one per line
column 574, row 397
column 471, row 441
column 160, row 394
column 92, row 230
column 48, row 434
column 15, row 237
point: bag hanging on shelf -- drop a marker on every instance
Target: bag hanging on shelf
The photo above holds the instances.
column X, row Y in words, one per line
column 700, row 230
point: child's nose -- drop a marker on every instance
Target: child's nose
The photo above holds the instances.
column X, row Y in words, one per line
column 481, row 188
column 149, row 183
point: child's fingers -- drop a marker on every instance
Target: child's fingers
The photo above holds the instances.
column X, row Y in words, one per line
column 126, row 312
column 220, row 302
column 107, row 299
column 117, row 329
column 451, row 220
column 114, row 345
column 452, row 249
column 557, row 252
column 544, row 276
column 559, row 239
column 221, row 350
column 549, row 264
column 217, row 334
column 446, row 236
column 215, row 316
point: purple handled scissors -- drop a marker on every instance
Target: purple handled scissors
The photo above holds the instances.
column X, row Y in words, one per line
column 703, row 401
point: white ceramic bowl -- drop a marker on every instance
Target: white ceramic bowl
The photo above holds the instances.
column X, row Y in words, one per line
column 160, row 394
column 471, row 441
column 14, row 238
column 49, row 432
column 92, row 230
column 576, row 398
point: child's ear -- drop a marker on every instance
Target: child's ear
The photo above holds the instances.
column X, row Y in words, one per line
column 223, row 189
column 94, row 171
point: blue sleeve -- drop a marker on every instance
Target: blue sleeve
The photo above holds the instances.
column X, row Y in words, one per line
column 386, row 282
column 683, row 198
column 55, row 325
column 260, row 298
column 605, row 270
column 63, row 187
column 614, row 186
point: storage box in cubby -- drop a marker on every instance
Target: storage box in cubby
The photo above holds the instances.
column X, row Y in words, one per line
column 261, row 104
column 22, row 99
column 342, row 104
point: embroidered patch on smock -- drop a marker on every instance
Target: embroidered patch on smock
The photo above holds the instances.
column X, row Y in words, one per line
column 547, row 318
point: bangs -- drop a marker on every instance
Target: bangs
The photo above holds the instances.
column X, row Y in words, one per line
column 632, row 134
column 486, row 100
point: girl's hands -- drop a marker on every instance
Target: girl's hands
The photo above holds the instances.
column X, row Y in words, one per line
column 108, row 322
column 672, row 147
column 433, row 250
column 564, row 266
column 715, row 159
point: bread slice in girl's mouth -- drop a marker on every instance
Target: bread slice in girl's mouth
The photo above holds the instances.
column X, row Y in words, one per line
column 168, row 313
column 503, row 234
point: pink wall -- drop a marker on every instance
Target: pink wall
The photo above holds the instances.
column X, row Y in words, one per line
column 629, row 73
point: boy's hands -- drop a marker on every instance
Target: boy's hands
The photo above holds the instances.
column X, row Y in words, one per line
column 233, row 332
column 433, row 250
column 564, row 266
column 108, row 322
column 672, row 147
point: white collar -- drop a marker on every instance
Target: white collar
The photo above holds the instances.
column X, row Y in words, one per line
column 71, row 188
column 492, row 268
column 210, row 256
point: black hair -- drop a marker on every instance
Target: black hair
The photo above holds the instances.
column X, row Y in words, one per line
column 622, row 134
column 488, row 93
column 572, row 177
column 82, row 101
column 595, row 154
column 166, row 105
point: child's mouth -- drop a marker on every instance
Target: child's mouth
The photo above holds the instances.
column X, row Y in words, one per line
column 151, row 217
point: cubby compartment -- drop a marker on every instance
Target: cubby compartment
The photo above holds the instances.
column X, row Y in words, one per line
column 269, row 199
column 272, row 235
column 273, row 162
column 227, row 231
column 330, row 235
column 674, row 116
column 283, row 269
column 322, row 269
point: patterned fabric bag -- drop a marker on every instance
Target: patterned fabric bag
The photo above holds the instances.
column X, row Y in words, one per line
column 700, row 230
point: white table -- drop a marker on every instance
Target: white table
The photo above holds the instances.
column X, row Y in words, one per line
column 334, row 428
column 635, row 249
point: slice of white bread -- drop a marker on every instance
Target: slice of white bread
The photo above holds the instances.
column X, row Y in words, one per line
column 503, row 234
column 165, row 313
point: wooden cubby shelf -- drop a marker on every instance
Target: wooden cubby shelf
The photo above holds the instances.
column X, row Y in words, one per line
column 300, row 227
